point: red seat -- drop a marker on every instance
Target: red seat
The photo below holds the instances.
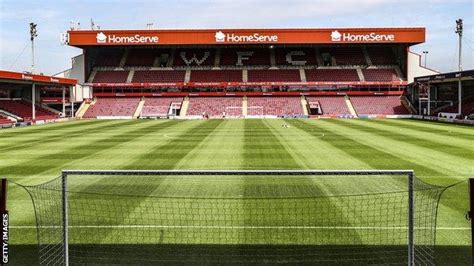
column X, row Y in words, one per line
column 258, row 57
column 112, row 107
column 5, row 121
column 378, row 105
column 331, row 105
column 216, row 76
column 381, row 55
column 23, row 109
column 164, row 76
column 159, row 106
column 380, row 75
column 109, row 76
column 215, row 106
column 283, row 75
column 346, row 55
column 274, row 106
column 331, row 75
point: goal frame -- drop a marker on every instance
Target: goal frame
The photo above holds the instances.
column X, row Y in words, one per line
column 409, row 173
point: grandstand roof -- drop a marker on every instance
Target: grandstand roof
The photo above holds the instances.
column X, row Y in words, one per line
column 81, row 38
column 447, row 77
column 26, row 78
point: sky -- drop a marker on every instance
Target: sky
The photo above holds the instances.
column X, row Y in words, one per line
column 54, row 17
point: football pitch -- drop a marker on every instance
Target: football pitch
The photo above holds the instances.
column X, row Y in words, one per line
column 440, row 154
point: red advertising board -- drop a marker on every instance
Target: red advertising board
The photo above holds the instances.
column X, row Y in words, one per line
column 246, row 36
column 9, row 75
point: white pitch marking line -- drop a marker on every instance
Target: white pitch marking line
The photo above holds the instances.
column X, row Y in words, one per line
column 241, row 227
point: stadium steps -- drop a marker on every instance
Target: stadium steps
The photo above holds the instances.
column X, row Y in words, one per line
column 407, row 104
column 139, row 108
column 319, row 59
column 156, row 62
column 10, row 115
column 245, row 75
column 367, row 57
column 131, row 73
column 360, row 74
column 82, row 109
column 350, row 106
column 399, row 72
column 244, row 106
column 304, row 105
column 171, row 58
column 184, row 107
column 187, row 76
column 43, row 106
column 302, row 75
column 92, row 76
column 272, row 58
column 123, row 60
column 217, row 58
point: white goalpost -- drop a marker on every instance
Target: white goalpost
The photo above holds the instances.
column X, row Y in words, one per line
column 236, row 216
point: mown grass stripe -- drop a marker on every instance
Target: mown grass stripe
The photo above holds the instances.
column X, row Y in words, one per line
column 378, row 159
column 261, row 146
column 41, row 139
column 26, row 131
column 447, row 130
column 389, row 133
column 40, row 163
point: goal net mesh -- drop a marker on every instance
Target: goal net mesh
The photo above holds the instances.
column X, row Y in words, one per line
column 251, row 219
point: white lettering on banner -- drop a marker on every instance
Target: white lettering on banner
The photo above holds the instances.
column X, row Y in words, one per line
column 5, row 238
column 233, row 38
column 371, row 37
column 194, row 58
column 243, row 56
column 289, row 58
column 137, row 38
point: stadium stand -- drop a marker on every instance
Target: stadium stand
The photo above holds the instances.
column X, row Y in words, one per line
column 109, row 57
column 194, row 57
column 344, row 56
column 381, row 55
column 108, row 76
column 112, row 107
column 216, row 75
column 330, row 105
column 159, row 76
column 378, row 105
column 159, row 107
column 254, row 57
column 467, row 108
column 380, row 75
column 22, row 109
column 287, row 56
column 215, row 106
column 143, row 57
column 274, row 106
column 267, row 75
column 331, row 75
column 4, row 121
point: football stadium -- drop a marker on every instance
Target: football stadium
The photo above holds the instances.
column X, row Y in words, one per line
column 294, row 146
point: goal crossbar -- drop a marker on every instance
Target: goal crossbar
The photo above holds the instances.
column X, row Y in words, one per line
column 239, row 172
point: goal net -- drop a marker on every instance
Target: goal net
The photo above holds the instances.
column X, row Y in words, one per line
column 235, row 217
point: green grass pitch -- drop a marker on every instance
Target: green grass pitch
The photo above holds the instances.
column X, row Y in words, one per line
column 440, row 154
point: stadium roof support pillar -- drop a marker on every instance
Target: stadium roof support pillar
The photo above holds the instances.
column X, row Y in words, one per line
column 429, row 101
column 64, row 102
column 33, row 101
